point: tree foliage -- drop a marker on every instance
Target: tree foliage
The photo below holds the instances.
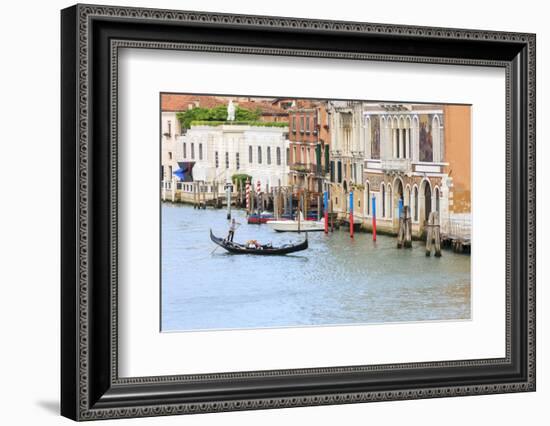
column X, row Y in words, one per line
column 218, row 114
column 239, row 180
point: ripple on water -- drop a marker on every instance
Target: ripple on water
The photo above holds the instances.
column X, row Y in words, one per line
column 336, row 281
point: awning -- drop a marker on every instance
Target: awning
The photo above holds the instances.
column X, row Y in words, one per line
column 185, row 171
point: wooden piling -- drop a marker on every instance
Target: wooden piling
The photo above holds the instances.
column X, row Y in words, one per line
column 408, row 228
column 277, row 199
column 401, row 232
column 433, row 236
column 437, row 235
column 404, row 237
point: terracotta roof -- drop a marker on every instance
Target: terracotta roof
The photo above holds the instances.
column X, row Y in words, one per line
column 173, row 102
column 265, row 107
column 305, row 104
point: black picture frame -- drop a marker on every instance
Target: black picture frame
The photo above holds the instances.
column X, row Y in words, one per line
column 90, row 386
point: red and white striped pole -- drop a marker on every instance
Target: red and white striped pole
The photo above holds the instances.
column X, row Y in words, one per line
column 248, row 196
column 258, row 191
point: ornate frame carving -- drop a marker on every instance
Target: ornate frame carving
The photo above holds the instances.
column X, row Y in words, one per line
column 85, row 396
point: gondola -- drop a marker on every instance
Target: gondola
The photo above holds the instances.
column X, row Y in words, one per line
column 263, row 250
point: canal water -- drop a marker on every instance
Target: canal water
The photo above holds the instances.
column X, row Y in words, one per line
column 336, row 281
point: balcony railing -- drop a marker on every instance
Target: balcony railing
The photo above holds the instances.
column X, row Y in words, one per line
column 301, row 167
column 402, row 165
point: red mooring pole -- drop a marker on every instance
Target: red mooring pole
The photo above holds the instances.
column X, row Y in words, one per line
column 373, row 218
column 351, row 214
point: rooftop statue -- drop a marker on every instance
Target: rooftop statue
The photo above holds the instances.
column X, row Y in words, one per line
column 230, row 111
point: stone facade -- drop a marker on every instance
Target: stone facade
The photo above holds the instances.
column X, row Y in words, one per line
column 170, row 131
column 408, row 155
column 309, row 139
column 221, row 151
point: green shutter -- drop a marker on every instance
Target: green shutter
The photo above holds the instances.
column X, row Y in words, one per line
column 318, row 157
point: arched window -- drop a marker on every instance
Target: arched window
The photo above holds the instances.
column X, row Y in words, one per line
column 415, row 204
column 436, row 133
column 414, row 138
column 395, row 137
column 426, row 139
column 250, row 153
column 401, row 138
column 278, row 156
column 408, row 145
column 390, row 203
column 437, row 199
column 268, row 155
column 375, row 137
column 383, row 200
column 259, row 155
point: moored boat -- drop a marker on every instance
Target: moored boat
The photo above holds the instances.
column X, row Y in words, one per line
column 255, row 248
column 299, row 225
column 256, row 218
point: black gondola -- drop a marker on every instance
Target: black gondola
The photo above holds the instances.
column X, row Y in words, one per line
column 264, row 250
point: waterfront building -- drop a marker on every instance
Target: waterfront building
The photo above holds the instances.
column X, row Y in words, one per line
column 171, row 128
column 309, row 140
column 418, row 155
column 219, row 151
column 347, row 153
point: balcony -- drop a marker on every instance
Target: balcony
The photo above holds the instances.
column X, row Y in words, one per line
column 399, row 165
column 301, row 168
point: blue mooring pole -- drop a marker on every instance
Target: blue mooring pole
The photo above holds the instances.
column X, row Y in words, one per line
column 351, row 214
column 325, row 210
column 373, row 218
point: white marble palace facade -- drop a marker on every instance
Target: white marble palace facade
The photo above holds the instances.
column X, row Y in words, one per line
column 405, row 160
column 392, row 153
column 347, row 147
column 221, row 151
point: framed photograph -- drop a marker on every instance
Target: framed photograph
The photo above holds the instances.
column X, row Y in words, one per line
column 263, row 212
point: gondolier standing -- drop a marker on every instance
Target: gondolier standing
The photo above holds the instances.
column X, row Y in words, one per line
column 232, row 228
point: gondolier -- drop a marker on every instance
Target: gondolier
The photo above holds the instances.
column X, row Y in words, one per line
column 232, row 227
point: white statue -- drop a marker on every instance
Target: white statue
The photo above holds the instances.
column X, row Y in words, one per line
column 230, row 111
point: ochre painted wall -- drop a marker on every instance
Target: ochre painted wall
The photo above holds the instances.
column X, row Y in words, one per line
column 458, row 140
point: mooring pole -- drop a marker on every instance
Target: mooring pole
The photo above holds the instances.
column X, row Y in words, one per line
column 247, row 196
column 325, row 210
column 291, row 204
column 228, row 192
column 373, row 218
column 351, row 214
column 400, row 207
